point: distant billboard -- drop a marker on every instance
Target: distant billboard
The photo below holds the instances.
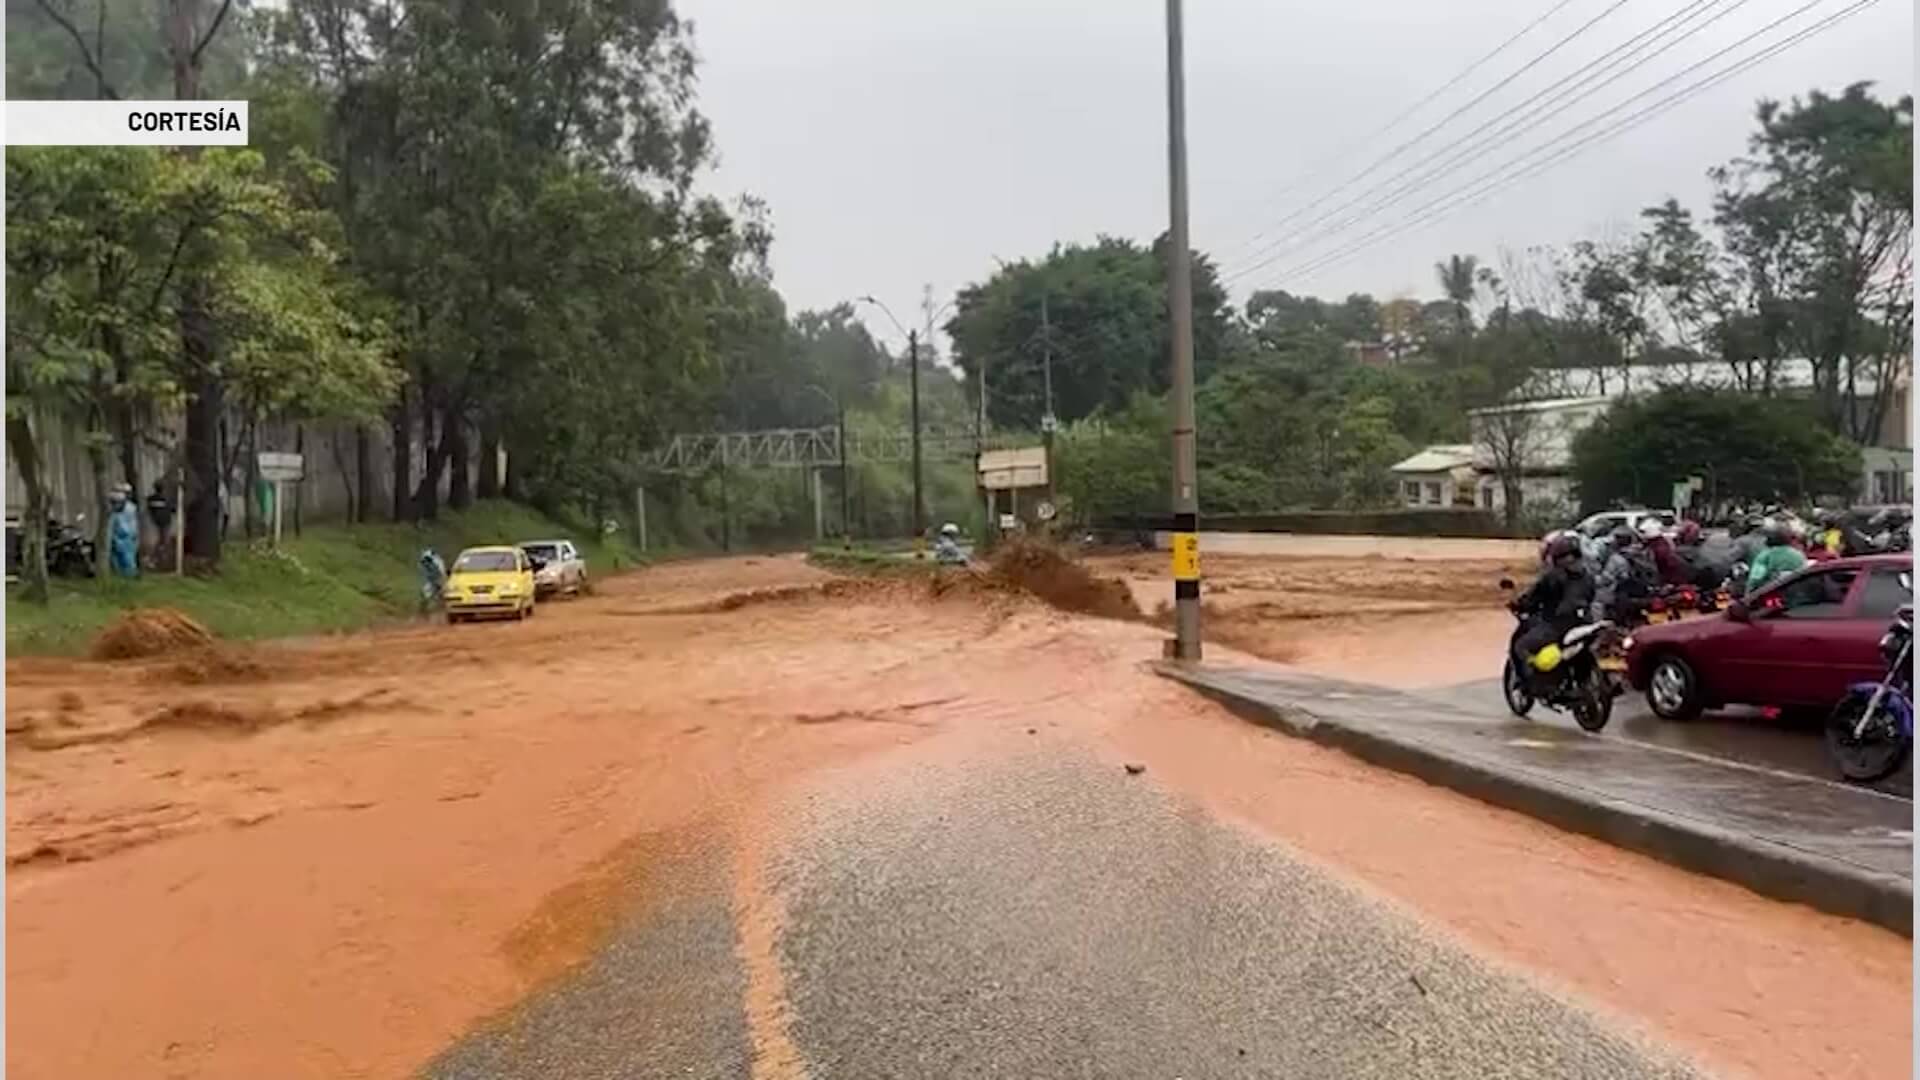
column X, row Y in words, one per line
column 1001, row 470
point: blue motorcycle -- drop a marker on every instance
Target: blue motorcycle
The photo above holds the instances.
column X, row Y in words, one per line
column 1870, row 732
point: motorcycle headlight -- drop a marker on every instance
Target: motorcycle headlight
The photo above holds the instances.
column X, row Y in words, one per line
column 1627, row 644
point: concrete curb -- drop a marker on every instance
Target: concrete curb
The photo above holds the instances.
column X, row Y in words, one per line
column 1771, row 869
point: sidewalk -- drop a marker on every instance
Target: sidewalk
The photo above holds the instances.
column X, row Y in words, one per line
column 1841, row 849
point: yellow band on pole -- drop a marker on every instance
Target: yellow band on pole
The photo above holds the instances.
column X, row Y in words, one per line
column 1186, row 556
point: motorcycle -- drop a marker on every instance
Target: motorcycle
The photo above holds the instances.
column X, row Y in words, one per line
column 1870, row 732
column 1581, row 683
column 69, row 552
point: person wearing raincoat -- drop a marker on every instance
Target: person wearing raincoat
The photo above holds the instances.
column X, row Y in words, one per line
column 1778, row 559
column 946, row 549
column 433, row 580
column 123, row 533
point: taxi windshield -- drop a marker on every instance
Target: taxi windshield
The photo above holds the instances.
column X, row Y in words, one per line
column 480, row 562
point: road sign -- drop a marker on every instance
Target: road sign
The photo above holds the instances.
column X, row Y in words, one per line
column 1001, row 470
column 1044, row 511
column 278, row 467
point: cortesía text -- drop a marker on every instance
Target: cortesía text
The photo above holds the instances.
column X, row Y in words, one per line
column 184, row 120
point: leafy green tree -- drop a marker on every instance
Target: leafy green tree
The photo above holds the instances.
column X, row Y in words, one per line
column 1460, row 285
column 1117, row 464
column 104, row 243
column 1747, row 448
column 1819, row 218
column 1099, row 311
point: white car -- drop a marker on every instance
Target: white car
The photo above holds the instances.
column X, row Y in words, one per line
column 1598, row 526
column 559, row 567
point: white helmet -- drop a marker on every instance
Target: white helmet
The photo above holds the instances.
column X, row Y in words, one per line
column 949, row 529
column 1649, row 528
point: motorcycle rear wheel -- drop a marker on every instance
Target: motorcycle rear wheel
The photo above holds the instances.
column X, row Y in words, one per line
column 1514, row 688
column 1876, row 754
column 1594, row 705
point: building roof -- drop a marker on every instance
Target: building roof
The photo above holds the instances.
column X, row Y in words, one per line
column 1438, row 459
column 1543, row 405
column 1796, row 373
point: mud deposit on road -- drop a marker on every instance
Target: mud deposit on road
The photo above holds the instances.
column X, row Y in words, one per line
column 1377, row 618
column 439, row 822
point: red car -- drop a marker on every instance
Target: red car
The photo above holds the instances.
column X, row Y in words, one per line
column 1799, row 642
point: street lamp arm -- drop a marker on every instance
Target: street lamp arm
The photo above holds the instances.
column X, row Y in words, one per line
column 885, row 310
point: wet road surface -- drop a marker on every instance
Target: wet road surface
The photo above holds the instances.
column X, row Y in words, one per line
column 644, row 835
column 1788, row 743
column 1044, row 913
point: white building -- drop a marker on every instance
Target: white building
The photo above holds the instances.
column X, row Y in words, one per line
column 1536, row 437
column 1436, row 477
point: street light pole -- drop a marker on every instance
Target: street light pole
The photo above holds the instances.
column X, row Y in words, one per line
column 1186, row 501
column 913, row 369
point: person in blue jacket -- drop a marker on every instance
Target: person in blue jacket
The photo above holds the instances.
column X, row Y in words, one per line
column 123, row 533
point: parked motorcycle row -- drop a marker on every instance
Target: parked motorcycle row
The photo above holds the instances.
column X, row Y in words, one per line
column 1869, row 733
column 70, row 553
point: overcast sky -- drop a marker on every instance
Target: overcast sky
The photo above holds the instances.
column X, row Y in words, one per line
column 906, row 143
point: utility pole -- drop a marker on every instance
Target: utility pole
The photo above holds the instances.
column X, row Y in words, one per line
column 919, row 508
column 1186, row 500
column 846, row 489
column 1047, row 420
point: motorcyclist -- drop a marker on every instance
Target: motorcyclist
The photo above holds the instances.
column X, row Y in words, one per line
column 1620, row 578
column 1668, row 567
column 1778, row 559
column 1557, row 601
column 1749, row 537
column 1823, row 540
column 946, row 549
column 1705, row 567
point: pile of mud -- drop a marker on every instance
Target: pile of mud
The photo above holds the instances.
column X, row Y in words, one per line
column 1061, row 581
column 213, row 664
column 145, row 632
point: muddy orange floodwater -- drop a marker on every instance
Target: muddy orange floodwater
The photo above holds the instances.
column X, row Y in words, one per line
column 334, row 857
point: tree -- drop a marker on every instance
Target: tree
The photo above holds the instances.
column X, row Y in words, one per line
column 105, row 243
column 1099, row 310
column 1820, row 219
column 1116, row 464
column 1745, row 448
column 1460, row 284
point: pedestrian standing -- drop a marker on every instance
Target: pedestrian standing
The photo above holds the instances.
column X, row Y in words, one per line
column 160, row 513
column 123, row 535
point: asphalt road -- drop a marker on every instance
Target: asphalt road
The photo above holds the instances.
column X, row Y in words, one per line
column 1038, row 912
column 1786, row 743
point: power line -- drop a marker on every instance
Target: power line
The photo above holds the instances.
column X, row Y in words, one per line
column 1450, row 117
column 1302, row 179
column 1422, row 217
column 1468, row 145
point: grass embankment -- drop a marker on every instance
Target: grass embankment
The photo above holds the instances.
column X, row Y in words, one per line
column 863, row 559
column 331, row 578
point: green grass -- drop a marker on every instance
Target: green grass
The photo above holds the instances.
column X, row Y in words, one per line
column 330, row 579
column 861, row 559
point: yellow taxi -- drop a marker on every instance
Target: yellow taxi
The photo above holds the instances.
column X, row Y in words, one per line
column 490, row 582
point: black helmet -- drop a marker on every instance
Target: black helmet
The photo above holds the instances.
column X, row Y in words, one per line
column 1561, row 547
